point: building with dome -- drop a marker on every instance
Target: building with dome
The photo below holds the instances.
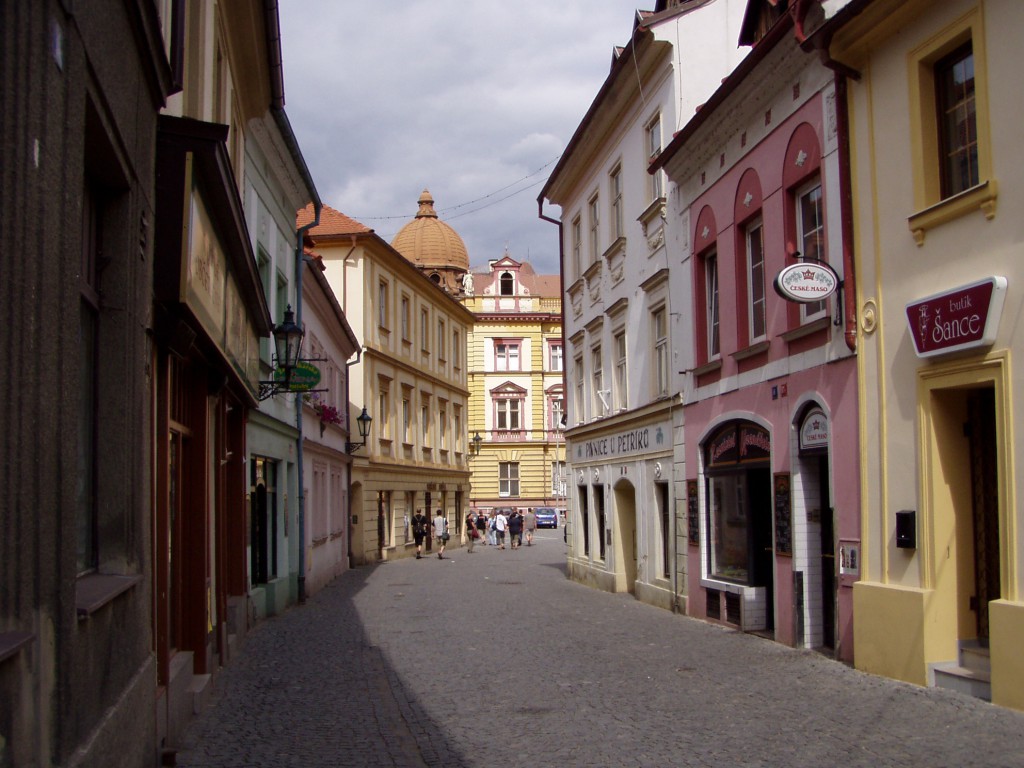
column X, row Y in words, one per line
column 435, row 248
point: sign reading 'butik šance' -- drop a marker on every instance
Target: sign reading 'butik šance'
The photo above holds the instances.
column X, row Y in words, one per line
column 964, row 318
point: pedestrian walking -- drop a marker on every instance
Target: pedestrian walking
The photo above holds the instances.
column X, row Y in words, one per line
column 471, row 533
column 515, row 529
column 419, row 530
column 481, row 527
column 441, row 533
column 492, row 528
column 500, row 526
column 530, row 525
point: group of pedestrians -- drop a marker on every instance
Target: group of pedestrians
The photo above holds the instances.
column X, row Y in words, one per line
column 488, row 529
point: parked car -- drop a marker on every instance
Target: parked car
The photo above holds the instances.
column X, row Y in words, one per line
column 547, row 517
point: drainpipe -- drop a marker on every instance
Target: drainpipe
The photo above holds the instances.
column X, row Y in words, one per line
column 348, row 399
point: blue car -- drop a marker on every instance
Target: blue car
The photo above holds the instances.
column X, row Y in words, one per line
column 547, row 517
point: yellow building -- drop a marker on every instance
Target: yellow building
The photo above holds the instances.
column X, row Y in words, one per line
column 934, row 113
column 516, row 387
column 412, row 381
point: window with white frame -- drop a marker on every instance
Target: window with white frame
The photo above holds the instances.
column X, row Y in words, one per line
column 507, row 284
column 577, row 245
column 425, row 421
column 507, row 411
column 578, row 405
column 506, row 354
column 810, row 226
column 754, row 238
column 615, row 191
column 555, row 356
column 621, row 393
column 652, row 137
column 594, row 224
column 457, row 427
column 713, row 341
column 508, row 479
column 601, row 403
column 556, row 408
column 659, row 331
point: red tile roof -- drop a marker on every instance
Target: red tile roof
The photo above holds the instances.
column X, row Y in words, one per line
column 332, row 222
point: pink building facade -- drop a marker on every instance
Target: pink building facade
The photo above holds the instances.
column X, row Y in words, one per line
column 769, row 396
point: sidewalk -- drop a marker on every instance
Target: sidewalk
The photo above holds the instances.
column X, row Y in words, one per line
column 495, row 659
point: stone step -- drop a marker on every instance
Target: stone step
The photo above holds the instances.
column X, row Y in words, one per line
column 972, row 682
column 200, row 689
column 976, row 657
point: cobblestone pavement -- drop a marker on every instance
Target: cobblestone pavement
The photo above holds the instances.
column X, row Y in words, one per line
column 495, row 659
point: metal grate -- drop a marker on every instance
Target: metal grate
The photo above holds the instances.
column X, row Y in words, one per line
column 714, row 604
column 733, row 608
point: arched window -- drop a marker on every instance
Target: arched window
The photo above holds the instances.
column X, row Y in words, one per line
column 508, row 284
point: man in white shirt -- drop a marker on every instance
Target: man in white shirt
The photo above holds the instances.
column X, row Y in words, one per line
column 501, row 525
column 440, row 533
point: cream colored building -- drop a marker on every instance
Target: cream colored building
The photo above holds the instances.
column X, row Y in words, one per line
column 939, row 302
column 412, row 380
column 516, row 387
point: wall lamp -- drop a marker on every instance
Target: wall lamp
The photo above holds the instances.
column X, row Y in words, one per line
column 475, row 448
column 287, row 343
column 363, row 422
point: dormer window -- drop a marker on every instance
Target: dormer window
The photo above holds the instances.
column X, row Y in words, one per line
column 507, row 284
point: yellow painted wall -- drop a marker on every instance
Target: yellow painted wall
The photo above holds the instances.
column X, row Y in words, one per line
column 1007, row 642
column 888, row 630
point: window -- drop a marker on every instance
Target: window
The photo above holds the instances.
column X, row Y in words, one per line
column 601, row 404
column 711, row 306
column 282, row 294
column 507, row 413
column 383, row 420
column 754, row 237
column 556, row 409
column 652, row 135
column 952, row 160
column 440, row 341
column 457, row 427
column 621, row 394
column 508, row 479
column 558, row 475
column 87, row 517
column 405, row 318
column 382, row 304
column 507, row 284
column 594, row 222
column 958, row 129
column 577, row 406
column 506, row 355
column 660, row 333
column 555, row 356
column 425, row 422
column 442, row 427
column 456, row 350
column 406, row 420
column 424, row 326
column 810, row 226
column 615, row 190
column 577, row 239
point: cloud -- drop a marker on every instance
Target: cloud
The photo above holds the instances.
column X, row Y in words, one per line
column 466, row 99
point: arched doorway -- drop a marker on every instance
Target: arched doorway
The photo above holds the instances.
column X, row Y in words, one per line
column 626, row 544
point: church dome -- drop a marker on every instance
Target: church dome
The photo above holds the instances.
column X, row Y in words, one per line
column 428, row 242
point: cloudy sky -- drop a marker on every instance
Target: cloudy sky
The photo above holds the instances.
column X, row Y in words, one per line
column 474, row 101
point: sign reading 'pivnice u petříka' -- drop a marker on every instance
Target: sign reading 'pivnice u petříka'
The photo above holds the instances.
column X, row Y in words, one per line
column 963, row 318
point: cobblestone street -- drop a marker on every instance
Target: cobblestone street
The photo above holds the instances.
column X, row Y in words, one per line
column 495, row 659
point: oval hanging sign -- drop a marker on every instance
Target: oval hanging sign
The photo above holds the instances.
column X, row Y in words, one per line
column 305, row 376
column 806, row 282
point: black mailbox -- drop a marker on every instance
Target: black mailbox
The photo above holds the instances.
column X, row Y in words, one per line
column 906, row 529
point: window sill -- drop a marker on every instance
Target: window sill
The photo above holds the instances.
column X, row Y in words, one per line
column 96, row 590
column 752, row 351
column 806, row 329
column 11, row 643
column 714, row 365
column 981, row 197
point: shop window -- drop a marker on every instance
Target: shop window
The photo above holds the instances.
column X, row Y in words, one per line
column 601, row 522
column 581, row 494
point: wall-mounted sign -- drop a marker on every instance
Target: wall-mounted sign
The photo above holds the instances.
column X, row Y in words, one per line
column 736, row 443
column 963, row 318
column 632, row 442
column 849, row 561
column 305, row 376
column 814, row 430
column 806, row 282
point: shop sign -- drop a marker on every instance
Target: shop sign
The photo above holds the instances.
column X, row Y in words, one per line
column 628, row 443
column 963, row 318
column 815, row 430
column 806, row 282
column 305, row 376
column 738, row 443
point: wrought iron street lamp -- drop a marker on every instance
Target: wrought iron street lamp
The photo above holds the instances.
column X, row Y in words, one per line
column 363, row 423
column 288, row 344
column 476, row 444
